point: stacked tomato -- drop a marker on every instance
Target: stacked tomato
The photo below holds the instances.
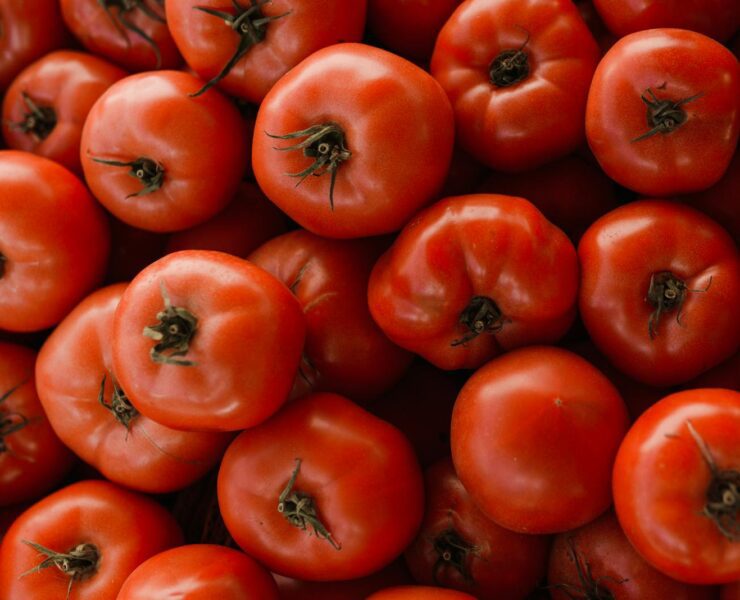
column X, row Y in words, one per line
column 385, row 299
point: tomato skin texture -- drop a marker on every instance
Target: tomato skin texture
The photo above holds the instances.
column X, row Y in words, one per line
column 55, row 240
column 127, row 528
column 531, row 122
column 618, row 255
column 199, row 572
column 398, row 126
column 675, row 64
column 419, row 592
column 496, row 246
column 246, row 346
column 196, row 184
column 534, row 435
column 360, row 471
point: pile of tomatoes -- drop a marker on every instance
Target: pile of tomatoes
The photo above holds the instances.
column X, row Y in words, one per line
column 369, row 299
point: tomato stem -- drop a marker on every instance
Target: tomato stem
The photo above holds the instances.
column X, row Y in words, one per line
column 120, row 406
column 453, row 551
column 78, row 563
column 122, row 23
column 664, row 116
column 146, row 170
column 666, row 292
column 510, row 66
column 38, row 122
column 10, row 422
column 3, row 262
column 590, row 588
column 479, row 316
column 173, row 333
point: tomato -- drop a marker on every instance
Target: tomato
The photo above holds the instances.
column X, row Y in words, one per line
column 419, row 592
column 677, row 485
column 731, row 591
column 534, row 436
column 81, row 543
column 131, row 33
column 657, row 291
column 206, row 341
column 459, row 547
column 199, row 572
column 375, row 129
column 473, row 265
column 322, row 491
column 46, row 105
column 245, row 47
column 602, row 35
column 32, row 459
column 662, row 115
column 54, row 242
column 724, row 375
column 517, row 76
column 597, row 560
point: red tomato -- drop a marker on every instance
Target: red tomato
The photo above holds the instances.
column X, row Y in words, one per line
column 375, row 129
column 54, row 242
column 322, row 491
column 517, row 76
column 534, row 436
column 199, row 572
column 662, row 114
column 81, row 543
column 724, row 375
column 731, row 591
column 419, row 592
column 45, row 107
column 475, row 265
column 32, row 459
column 657, row 294
column 245, row 47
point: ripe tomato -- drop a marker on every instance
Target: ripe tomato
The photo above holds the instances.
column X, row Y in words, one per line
column 677, row 486
column 658, row 281
column 322, row 491
column 662, row 115
column 375, row 129
column 419, row 592
column 145, row 174
column 517, row 77
column 474, row 265
column 534, row 436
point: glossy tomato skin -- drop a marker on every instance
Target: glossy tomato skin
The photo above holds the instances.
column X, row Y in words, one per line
column 537, row 119
column 534, row 436
column 195, row 184
column 496, row 562
column 676, row 66
column 244, row 351
column 126, row 528
column 467, row 247
column 361, row 473
column 621, row 252
column 32, row 458
column 661, row 481
column 398, row 129
column 66, row 82
column 207, row 43
column 133, row 451
column 199, row 572
column 54, row 240
column 419, row 592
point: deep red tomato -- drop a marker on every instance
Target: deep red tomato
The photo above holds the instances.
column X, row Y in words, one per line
column 419, row 592
column 32, row 459
column 199, row 572
column 81, row 543
column 459, row 547
column 534, row 436
column 677, row 485
column 517, row 76
column 473, row 276
column 724, row 375
column 54, row 241
column 204, row 341
column 731, row 591
column 47, row 104
column 322, row 491
column 658, row 283
column 245, row 47
column 376, row 130
column 662, row 115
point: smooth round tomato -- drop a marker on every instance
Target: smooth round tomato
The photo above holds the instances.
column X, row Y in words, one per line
column 534, row 436
column 199, row 572
column 81, row 543
column 147, row 151
column 374, row 130
column 322, row 491
column 517, row 76
column 658, row 283
column 419, row 592
column 473, row 276
column 54, row 241
column 662, row 115
column 677, row 485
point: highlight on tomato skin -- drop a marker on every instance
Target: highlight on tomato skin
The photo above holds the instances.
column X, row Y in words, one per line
column 419, row 592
